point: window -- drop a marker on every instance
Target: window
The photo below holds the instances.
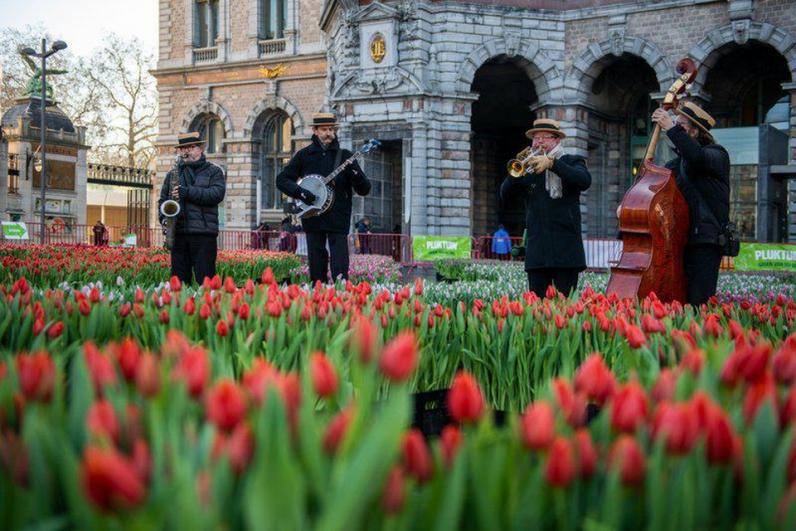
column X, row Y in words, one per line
column 273, row 15
column 211, row 129
column 13, row 173
column 205, row 23
column 277, row 142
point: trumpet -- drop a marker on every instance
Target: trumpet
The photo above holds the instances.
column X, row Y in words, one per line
column 170, row 208
column 520, row 166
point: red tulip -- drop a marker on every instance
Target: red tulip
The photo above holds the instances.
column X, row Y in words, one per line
column 102, row 422
column 416, row 456
column 324, row 377
column 84, row 307
column 36, row 374
column 627, row 456
column 128, row 355
column 99, row 366
column 720, row 440
column 570, row 404
column 237, row 446
column 693, row 361
column 628, row 408
column 465, row 400
column 175, row 284
column 560, row 467
column 336, row 430
column 785, row 362
column 450, row 441
column 664, row 386
column 586, row 453
column 189, row 308
column 364, row 338
column 243, row 311
column 110, row 480
column 393, row 494
column 147, row 376
column 595, row 379
column 222, row 329
column 537, row 426
column 678, row 425
column 635, row 337
column 268, row 276
column 757, row 394
column 400, row 356
column 194, row 368
column 205, row 311
column 124, row 309
column 225, row 405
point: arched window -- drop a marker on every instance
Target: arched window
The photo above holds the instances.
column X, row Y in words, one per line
column 211, row 129
column 205, row 23
column 273, row 18
column 276, row 150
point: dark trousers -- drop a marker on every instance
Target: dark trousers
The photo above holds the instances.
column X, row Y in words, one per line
column 564, row 279
column 701, row 272
column 319, row 259
column 194, row 254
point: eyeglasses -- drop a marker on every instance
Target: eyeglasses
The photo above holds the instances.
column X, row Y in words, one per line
column 544, row 137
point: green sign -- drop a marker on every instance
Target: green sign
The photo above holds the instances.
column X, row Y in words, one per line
column 441, row 247
column 15, row 230
column 766, row 257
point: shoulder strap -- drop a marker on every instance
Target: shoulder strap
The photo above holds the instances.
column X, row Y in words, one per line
column 338, row 158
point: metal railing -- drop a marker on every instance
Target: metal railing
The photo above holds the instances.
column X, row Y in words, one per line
column 601, row 253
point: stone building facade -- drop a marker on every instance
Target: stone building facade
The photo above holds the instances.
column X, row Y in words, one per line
column 449, row 87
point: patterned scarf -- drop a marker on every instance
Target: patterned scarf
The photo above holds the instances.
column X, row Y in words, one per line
column 552, row 182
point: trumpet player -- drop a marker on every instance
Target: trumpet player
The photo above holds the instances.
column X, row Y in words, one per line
column 551, row 182
column 198, row 186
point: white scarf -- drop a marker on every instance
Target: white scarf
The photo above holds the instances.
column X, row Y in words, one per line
column 552, row 182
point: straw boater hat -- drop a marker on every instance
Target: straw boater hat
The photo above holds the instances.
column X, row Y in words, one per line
column 696, row 115
column 188, row 139
column 322, row 119
column 545, row 125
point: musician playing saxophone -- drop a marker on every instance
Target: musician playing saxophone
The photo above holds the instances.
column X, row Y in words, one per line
column 321, row 157
column 199, row 186
column 551, row 185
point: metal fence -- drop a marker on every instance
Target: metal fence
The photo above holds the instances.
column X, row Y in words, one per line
column 601, row 253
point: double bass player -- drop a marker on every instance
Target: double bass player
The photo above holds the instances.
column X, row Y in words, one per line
column 702, row 173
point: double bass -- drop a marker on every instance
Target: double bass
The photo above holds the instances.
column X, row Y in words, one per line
column 654, row 221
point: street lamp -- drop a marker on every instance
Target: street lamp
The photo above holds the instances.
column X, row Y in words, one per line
column 56, row 46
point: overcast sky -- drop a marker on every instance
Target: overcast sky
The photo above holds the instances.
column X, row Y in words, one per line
column 82, row 23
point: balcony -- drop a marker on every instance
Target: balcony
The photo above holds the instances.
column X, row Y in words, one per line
column 205, row 55
column 271, row 47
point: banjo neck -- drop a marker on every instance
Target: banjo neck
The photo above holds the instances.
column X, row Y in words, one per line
column 341, row 167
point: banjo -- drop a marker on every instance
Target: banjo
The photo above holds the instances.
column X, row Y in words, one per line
column 319, row 185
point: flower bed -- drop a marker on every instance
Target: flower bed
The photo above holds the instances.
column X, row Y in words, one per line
column 176, row 439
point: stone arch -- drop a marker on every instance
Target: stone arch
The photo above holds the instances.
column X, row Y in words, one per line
column 710, row 49
column 590, row 63
column 541, row 70
column 272, row 103
column 211, row 107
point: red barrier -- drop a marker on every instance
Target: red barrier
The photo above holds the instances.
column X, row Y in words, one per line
column 491, row 248
column 398, row 246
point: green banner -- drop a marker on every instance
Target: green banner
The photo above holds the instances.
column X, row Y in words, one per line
column 766, row 257
column 441, row 247
column 15, row 230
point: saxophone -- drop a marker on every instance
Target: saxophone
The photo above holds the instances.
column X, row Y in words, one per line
column 170, row 208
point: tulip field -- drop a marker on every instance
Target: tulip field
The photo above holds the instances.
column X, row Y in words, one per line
column 258, row 401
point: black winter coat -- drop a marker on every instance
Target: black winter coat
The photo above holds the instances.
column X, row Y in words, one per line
column 202, row 188
column 553, row 225
column 314, row 159
column 702, row 173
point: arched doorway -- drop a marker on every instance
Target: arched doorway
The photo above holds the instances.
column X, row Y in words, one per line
column 211, row 129
column 619, row 127
column 500, row 117
column 743, row 92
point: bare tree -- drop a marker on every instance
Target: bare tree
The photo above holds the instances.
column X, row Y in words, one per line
column 119, row 71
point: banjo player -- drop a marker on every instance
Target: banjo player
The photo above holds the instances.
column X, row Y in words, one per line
column 322, row 157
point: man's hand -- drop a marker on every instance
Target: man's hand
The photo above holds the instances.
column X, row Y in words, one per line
column 306, row 196
column 541, row 163
column 662, row 118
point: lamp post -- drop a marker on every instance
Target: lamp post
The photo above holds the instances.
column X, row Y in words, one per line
column 56, row 46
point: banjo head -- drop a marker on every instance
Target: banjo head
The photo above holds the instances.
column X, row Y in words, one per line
column 323, row 196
